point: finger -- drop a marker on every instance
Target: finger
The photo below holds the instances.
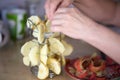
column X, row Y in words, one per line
column 57, row 22
column 76, row 1
column 56, row 28
column 61, row 10
column 47, row 8
column 59, row 16
column 64, row 3
column 53, row 7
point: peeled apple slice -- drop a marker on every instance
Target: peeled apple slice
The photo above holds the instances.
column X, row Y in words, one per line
column 54, row 65
column 26, row 60
column 68, row 48
column 25, row 50
column 59, row 58
column 43, row 54
column 56, row 46
column 35, row 19
column 63, row 60
column 35, row 33
column 48, row 25
column 34, row 56
column 43, row 71
column 40, row 34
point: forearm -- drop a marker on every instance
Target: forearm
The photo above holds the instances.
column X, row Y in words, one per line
column 105, row 40
column 104, row 11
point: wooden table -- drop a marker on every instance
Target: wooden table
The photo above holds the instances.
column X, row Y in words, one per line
column 12, row 68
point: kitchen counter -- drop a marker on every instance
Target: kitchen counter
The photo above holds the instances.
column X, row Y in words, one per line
column 12, row 67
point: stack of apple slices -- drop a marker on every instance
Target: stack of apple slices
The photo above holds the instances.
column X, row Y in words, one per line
column 48, row 55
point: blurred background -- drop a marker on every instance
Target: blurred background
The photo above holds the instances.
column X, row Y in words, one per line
column 13, row 15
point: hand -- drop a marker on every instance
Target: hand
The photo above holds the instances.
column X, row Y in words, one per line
column 72, row 22
column 76, row 25
column 52, row 5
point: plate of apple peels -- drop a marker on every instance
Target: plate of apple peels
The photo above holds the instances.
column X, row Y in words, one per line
column 92, row 68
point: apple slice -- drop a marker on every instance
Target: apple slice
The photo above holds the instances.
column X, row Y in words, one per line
column 25, row 50
column 68, row 48
column 34, row 55
column 35, row 33
column 54, row 65
column 26, row 60
column 63, row 60
column 56, row 46
column 43, row 54
column 48, row 26
column 33, row 21
column 41, row 31
column 43, row 71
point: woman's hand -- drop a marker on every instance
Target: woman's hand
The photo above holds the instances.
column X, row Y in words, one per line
column 52, row 5
column 72, row 22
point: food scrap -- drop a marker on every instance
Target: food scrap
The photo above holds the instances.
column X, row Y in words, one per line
column 87, row 67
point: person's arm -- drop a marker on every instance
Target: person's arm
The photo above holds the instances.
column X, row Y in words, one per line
column 105, row 11
column 105, row 40
column 75, row 24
